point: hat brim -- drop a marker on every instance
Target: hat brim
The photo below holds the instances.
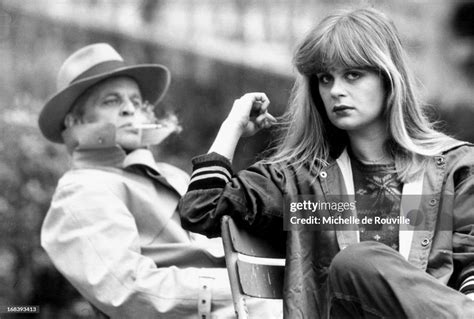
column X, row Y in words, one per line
column 152, row 79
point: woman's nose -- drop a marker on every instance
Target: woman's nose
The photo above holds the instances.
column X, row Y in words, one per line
column 127, row 109
column 337, row 88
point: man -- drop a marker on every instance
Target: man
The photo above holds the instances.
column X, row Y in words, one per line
column 112, row 229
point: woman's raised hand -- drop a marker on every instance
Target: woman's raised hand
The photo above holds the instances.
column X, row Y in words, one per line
column 249, row 114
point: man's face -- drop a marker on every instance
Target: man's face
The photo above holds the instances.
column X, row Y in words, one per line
column 118, row 101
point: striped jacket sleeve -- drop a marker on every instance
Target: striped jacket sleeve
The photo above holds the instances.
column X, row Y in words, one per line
column 213, row 173
column 253, row 197
column 467, row 286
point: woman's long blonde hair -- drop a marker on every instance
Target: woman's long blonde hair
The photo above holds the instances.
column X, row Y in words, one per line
column 361, row 38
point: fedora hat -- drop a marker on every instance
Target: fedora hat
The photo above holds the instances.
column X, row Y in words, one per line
column 87, row 67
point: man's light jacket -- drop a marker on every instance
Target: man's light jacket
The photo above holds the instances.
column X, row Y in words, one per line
column 115, row 234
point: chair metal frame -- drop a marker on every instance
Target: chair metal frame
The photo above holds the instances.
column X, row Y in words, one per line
column 255, row 267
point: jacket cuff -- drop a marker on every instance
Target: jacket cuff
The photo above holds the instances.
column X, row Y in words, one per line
column 210, row 171
column 466, row 279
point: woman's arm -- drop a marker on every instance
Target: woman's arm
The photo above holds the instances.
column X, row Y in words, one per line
column 253, row 197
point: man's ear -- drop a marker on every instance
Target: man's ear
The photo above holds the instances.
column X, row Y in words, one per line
column 70, row 120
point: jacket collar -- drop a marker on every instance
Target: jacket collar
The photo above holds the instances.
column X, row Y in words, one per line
column 89, row 136
column 93, row 145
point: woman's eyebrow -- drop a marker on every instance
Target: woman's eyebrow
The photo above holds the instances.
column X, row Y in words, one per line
column 321, row 72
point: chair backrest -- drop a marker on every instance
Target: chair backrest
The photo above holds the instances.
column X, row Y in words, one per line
column 256, row 268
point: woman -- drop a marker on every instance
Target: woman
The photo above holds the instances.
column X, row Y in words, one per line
column 354, row 126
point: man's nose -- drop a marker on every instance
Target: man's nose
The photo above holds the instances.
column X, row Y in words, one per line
column 127, row 109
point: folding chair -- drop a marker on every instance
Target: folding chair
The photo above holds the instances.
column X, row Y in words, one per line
column 255, row 267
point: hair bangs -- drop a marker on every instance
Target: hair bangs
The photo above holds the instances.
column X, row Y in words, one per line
column 343, row 47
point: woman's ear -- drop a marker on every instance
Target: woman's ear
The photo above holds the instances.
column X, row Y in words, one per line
column 70, row 120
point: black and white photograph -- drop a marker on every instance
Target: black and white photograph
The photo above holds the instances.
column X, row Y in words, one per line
column 210, row 159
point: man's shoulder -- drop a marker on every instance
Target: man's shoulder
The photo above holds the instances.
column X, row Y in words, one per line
column 170, row 171
column 90, row 177
column 175, row 176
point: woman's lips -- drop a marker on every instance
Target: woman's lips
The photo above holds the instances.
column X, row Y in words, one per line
column 340, row 108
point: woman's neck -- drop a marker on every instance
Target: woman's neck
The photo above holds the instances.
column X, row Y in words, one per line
column 368, row 145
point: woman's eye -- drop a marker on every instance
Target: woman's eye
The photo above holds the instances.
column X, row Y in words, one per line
column 324, row 78
column 353, row 75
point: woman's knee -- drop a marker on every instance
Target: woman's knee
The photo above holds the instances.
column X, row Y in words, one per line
column 360, row 257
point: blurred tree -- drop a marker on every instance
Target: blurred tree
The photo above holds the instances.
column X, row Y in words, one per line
column 463, row 28
column 149, row 9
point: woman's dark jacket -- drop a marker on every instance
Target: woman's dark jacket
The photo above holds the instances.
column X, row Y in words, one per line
column 442, row 243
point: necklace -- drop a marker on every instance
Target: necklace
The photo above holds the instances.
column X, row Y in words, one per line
column 379, row 160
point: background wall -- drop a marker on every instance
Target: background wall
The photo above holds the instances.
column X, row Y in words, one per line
column 216, row 51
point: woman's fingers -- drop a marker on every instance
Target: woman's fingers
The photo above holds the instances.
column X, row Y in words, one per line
column 249, row 113
column 260, row 103
column 257, row 101
column 271, row 118
column 248, row 105
column 265, row 102
column 265, row 120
